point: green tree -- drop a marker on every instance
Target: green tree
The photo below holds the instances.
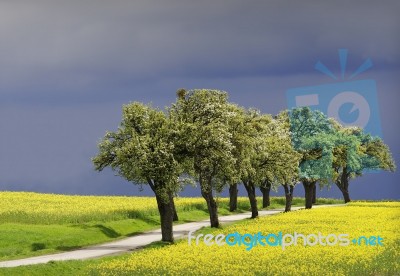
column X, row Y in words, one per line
column 142, row 151
column 313, row 136
column 254, row 167
column 204, row 141
column 285, row 159
column 356, row 152
column 240, row 141
column 264, row 154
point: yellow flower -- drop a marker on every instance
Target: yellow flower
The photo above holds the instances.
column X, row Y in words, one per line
column 357, row 219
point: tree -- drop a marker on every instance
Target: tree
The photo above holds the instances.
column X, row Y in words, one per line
column 356, row 152
column 313, row 136
column 286, row 169
column 237, row 129
column 242, row 139
column 142, row 151
column 204, row 141
column 253, row 160
column 264, row 154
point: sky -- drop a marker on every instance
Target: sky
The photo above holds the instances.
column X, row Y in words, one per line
column 67, row 67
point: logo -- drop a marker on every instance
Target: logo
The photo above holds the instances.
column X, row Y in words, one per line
column 282, row 240
column 351, row 103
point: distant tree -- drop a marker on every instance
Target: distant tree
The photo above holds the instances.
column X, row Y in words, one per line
column 240, row 141
column 356, row 152
column 204, row 141
column 142, row 151
column 264, row 154
column 254, row 155
column 314, row 137
column 286, row 167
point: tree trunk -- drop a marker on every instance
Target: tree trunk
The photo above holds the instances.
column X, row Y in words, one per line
column 233, row 195
column 309, row 193
column 288, row 196
column 251, row 192
column 206, row 192
column 265, row 190
column 166, row 209
column 314, row 198
column 166, row 218
column 346, row 195
column 343, row 185
column 175, row 214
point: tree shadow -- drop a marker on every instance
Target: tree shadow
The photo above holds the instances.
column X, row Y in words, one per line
column 36, row 246
column 148, row 219
column 68, row 248
column 134, row 233
column 109, row 232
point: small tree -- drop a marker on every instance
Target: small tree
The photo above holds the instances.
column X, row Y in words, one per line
column 204, row 141
column 313, row 136
column 286, row 162
column 266, row 158
column 246, row 128
column 142, row 151
column 357, row 151
column 253, row 166
column 239, row 131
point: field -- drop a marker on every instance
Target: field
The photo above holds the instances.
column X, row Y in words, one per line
column 45, row 209
column 358, row 219
column 35, row 224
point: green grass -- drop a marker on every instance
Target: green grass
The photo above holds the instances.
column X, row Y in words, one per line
column 20, row 240
column 67, row 268
column 58, row 268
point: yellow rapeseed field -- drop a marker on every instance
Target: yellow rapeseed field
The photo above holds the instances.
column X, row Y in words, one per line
column 36, row 208
column 357, row 219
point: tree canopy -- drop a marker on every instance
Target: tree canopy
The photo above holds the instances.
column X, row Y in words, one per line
column 142, row 151
column 205, row 137
column 356, row 152
column 204, row 142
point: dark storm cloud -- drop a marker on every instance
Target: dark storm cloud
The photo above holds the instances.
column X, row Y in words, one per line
column 89, row 48
column 66, row 67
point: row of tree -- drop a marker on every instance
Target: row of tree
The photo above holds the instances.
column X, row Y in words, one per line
column 204, row 138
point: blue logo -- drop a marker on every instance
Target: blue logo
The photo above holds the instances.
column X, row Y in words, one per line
column 351, row 103
column 283, row 240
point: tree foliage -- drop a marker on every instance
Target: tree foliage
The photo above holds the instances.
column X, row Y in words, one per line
column 356, row 152
column 142, row 151
column 204, row 142
column 205, row 137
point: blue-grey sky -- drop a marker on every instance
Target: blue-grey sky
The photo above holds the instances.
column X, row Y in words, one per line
column 66, row 68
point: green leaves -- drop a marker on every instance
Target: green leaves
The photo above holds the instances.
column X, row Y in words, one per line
column 204, row 136
column 142, row 149
column 263, row 148
column 329, row 149
column 363, row 152
column 313, row 136
column 203, row 139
